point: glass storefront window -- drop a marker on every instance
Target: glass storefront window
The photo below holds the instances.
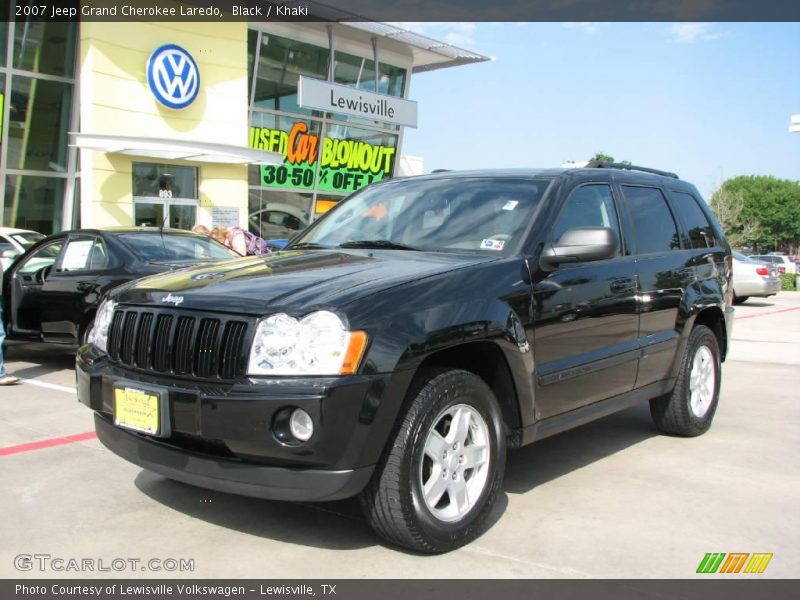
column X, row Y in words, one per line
column 281, row 61
column 152, row 180
column 354, row 71
column 45, row 47
column 3, row 35
column 359, row 73
column 277, row 215
column 34, row 202
column 392, row 80
column 38, row 122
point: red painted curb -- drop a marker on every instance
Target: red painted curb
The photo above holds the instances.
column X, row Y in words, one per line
column 58, row 441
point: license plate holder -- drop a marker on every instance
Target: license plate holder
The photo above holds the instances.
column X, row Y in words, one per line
column 143, row 409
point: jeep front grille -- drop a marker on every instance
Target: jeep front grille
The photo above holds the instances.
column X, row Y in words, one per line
column 189, row 345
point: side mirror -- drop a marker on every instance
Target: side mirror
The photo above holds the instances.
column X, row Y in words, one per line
column 581, row 244
column 12, row 254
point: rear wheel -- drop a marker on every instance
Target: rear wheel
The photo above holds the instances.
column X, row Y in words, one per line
column 437, row 483
column 739, row 299
column 689, row 410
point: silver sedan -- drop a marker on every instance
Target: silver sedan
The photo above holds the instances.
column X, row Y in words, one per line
column 753, row 278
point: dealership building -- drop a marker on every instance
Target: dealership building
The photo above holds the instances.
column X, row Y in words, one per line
column 179, row 123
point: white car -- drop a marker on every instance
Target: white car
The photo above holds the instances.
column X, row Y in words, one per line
column 753, row 278
column 14, row 242
column 781, row 261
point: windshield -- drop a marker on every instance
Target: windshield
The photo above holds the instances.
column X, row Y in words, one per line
column 154, row 246
column 27, row 239
column 481, row 214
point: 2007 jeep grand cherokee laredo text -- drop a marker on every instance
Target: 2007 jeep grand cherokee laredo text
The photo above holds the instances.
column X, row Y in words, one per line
column 402, row 342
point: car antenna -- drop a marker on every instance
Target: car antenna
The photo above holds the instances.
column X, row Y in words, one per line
column 161, row 231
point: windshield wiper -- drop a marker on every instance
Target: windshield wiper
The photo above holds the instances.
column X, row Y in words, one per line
column 311, row 245
column 387, row 244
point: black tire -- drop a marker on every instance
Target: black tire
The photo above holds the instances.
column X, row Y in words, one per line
column 394, row 501
column 739, row 299
column 674, row 413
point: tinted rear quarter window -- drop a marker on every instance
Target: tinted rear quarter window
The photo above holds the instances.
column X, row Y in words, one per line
column 698, row 229
column 653, row 223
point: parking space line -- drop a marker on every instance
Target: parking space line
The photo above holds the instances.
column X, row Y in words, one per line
column 49, row 386
column 49, row 443
column 772, row 312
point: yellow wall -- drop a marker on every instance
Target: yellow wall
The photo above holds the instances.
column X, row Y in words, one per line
column 115, row 99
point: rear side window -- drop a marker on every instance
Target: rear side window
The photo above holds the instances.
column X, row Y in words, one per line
column 654, row 227
column 699, row 230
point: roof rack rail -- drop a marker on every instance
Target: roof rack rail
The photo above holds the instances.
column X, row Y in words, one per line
column 601, row 164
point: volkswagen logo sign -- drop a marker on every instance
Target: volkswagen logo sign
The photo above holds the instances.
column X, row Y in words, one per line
column 173, row 76
column 207, row 276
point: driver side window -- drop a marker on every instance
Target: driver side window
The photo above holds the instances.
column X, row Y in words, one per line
column 43, row 257
column 588, row 206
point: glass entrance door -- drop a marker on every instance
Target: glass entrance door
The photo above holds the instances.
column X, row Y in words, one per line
column 166, row 213
column 165, row 195
column 148, row 214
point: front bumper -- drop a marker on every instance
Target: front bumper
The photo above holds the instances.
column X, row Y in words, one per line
column 235, row 477
column 221, row 435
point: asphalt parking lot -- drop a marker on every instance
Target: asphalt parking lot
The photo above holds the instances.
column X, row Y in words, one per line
column 610, row 499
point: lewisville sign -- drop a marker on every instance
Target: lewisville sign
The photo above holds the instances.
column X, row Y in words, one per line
column 342, row 99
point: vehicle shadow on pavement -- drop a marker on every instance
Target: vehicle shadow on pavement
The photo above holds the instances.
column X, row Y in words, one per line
column 46, row 357
column 338, row 525
column 561, row 454
column 757, row 303
column 332, row 525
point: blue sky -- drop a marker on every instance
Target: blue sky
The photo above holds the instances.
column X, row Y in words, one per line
column 709, row 101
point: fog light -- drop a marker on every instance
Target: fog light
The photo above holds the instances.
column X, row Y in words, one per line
column 301, row 425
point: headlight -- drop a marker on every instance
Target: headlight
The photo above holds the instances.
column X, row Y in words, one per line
column 102, row 322
column 317, row 344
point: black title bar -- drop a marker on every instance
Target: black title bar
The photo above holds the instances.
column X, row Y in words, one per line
column 402, row 10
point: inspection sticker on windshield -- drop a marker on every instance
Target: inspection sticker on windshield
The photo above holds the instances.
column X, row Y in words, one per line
column 493, row 244
column 510, row 205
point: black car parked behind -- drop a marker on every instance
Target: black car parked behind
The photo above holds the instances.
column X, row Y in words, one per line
column 51, row 292
column 402, row 342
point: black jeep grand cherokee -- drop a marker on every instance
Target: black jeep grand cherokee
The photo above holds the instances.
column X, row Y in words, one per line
column 400, row 344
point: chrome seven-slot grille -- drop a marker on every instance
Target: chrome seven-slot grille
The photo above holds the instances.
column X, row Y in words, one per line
column 184, row 344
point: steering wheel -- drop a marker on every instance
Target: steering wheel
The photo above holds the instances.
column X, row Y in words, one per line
column 42, row 274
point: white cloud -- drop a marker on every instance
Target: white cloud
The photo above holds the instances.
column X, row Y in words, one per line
column 688, row 33
column 584, row 26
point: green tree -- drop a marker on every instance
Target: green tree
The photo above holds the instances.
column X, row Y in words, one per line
column 759, row 210
column 602, row 157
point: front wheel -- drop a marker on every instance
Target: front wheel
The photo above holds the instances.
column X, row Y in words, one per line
column 689, row 410
column 438, row 481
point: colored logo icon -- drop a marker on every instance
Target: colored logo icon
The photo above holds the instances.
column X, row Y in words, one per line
column 173, row 76
column 715, row 562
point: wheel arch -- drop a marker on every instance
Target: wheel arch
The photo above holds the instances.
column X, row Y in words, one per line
column 713, row 318
column 486, row 360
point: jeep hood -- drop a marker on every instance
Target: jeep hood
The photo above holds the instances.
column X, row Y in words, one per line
column 292, row 281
